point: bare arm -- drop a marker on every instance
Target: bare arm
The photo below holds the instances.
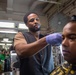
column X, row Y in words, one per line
column 24, row 49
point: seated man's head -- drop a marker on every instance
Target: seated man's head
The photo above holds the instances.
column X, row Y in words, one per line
column 69, row 41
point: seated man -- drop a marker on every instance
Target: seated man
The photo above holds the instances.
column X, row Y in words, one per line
column 68, row 49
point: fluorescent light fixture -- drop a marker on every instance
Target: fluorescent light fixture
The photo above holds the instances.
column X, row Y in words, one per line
column 9, row 44
column 7, row 24
column 22, row 26
column 5, row 40
column 2, row 44
column 10, row 31
column 6, row 44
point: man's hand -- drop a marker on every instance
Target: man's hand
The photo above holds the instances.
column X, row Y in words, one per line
column 54, row 39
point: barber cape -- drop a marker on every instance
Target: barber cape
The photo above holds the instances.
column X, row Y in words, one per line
column 64, row 69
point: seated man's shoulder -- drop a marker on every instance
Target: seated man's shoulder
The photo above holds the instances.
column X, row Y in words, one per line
column 60, row 70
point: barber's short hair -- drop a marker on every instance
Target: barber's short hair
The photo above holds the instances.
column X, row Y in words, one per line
column 26, row 15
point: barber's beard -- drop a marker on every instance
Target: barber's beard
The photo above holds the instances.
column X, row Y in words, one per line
column 34, row 29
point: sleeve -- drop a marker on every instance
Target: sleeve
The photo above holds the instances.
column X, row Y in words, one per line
column 19, row 38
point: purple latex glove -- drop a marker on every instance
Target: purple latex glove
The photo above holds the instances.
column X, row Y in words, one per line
column 54, row 39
